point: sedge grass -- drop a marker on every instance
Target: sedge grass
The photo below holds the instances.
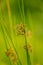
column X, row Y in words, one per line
column 5, row 40
column 7, row 32
column 11, row 41
column 22, row 13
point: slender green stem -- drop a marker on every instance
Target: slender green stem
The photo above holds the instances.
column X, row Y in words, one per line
column 4, row 36
column 20, row 9
column 10, row 19
column 10, row 39
column 5, row 40
column 27, row 53
column 12, row 43
column 16, row 52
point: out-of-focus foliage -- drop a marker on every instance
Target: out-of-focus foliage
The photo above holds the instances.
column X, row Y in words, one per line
column 33, row 10
column 29, row 5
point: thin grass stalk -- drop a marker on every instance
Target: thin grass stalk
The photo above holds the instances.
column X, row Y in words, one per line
column 5, row 40
column 2, row 11
column 4, row 36
column 20, row 9
column 9, row 14
column 3, row 29
column 12, row 44
column 27, row 53
column 11, row 40
column 10, row 19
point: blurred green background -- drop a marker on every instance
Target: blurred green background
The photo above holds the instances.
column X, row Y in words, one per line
column 33, row 12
